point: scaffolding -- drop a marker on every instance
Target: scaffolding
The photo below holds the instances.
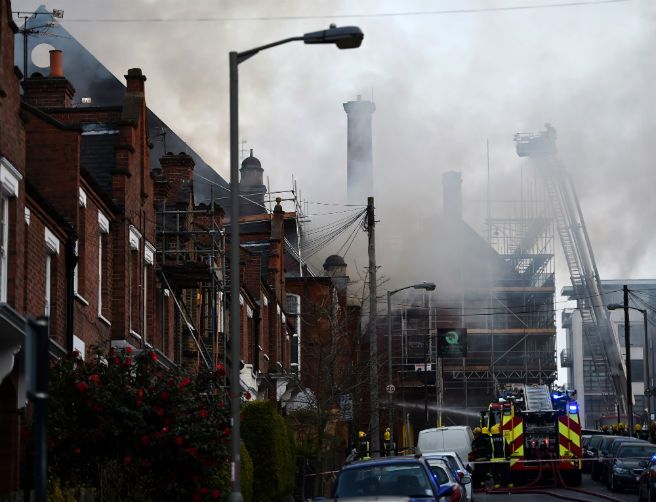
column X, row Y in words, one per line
column 191, row 257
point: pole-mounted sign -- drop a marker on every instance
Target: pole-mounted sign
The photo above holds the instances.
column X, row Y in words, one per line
column 452, row 342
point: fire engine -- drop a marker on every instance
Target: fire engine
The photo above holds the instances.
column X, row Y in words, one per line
column 541, row 429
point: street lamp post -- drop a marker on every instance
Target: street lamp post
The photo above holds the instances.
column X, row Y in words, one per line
column 346, row 37
column 648, row 390
column 428, row 286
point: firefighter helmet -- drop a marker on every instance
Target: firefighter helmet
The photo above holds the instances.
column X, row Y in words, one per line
column 621, row 426
column 477, row 430
column 362, row 435
column 638, row 427
column 485, row 430
column 495, row 429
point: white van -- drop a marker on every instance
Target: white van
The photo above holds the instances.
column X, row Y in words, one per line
column 457, row 438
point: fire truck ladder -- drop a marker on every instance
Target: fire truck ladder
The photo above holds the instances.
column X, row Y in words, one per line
column 538, row 398
column 602, row 342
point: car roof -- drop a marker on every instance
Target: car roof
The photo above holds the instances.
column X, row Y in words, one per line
column 406, row 459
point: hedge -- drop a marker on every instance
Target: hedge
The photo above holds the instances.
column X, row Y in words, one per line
column 270, row 443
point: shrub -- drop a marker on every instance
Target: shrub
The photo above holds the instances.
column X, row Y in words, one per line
column 135, row 431
column 270, row 444
column 224, row 483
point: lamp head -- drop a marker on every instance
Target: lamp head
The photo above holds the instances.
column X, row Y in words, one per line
column 614, row 306
column 344, row 37
column 428, row 286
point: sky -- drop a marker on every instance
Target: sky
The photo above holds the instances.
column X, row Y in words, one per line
column 444, row 85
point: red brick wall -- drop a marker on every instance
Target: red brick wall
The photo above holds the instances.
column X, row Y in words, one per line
column 35, row 266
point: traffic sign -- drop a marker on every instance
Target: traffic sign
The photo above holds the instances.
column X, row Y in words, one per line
column 390, row 389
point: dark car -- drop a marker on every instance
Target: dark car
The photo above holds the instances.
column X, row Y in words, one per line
column 629, row 464
column 611, row 454
column 408, row 477
column 597, row 447
column 647, row 482
column 585, row 441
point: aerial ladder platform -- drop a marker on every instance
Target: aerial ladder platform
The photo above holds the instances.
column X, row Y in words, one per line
column 603, row 343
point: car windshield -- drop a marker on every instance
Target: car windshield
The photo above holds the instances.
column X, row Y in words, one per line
column 403, row 479
column 636, row 451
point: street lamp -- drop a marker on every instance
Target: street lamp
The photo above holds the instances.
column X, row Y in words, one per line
column 346, row 37
column 618, row 306
column 427, row 286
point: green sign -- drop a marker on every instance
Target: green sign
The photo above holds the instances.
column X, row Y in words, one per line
column 452, row 342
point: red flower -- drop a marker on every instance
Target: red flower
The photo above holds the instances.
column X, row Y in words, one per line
column 145, row 439
column 216, row 494
column 116, row 360
column 77, row 451
column 185, row 381
column 170, row 382
column 138, row 403
column 82, row 387
column 159, row 411
column 145, row 462
column 248, row 396
column 164, row 395
column 127, row 460
column 165, row 430
column 203, row 413
column 203, row 490
column 128, row 361
column 95, row 378
column 128, row 350
column 179, row 440
column 140, row 393
column 152, row 356
column 226, row 431
column 192, row 451
column 220, row 369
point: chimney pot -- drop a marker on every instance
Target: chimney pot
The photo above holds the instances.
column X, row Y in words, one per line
column 56, row 69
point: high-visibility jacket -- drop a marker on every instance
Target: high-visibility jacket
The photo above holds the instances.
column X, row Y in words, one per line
column 363, row 449
column 498, row 445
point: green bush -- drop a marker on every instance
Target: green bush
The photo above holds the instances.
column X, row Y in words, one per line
column 224, row 484
column 270, row 443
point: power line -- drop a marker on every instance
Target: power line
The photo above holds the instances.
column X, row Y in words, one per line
column 225, row 19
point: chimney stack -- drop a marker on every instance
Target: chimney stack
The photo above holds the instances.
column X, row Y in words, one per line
column 359, row 161
column 452, row 190
column 56, row 69
column 53, row 91
column 135, row 80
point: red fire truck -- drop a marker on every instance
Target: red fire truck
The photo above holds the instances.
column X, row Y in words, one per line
column 541, row 429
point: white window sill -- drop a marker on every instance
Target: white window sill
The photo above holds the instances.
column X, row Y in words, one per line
column 135, row 334
column 80, row 299
column 105, row 321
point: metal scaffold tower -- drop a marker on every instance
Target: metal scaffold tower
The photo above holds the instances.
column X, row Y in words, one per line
column 602, row 342
column 192, row 266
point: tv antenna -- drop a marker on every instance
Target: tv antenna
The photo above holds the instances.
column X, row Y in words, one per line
column 32, row 30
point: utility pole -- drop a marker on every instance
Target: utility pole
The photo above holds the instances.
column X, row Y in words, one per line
column 627, row 346
column 374, row 422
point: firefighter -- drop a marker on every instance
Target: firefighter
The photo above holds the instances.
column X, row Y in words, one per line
column 482, row 452
column 363, row 446
column 621, row 429
column 498, row 458
column 389, row 447
column 604, row 429
column 639, row 433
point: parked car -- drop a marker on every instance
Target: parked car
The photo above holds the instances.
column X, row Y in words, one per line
column 455, row 438
column 629, row 464
column 611, row 452
column 585, row 441
column 447, row 476
column 647, row 482
column 458, row 466
column 602, row 451
column 590, row 452
column 389, row 479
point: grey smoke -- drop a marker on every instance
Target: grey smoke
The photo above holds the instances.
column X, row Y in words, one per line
column 442, row 85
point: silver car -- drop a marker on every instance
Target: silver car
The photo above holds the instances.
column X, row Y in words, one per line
column 459, row 466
